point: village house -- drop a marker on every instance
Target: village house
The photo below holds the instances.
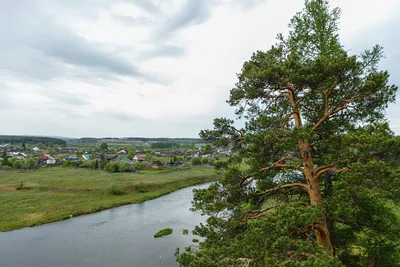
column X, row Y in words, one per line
column 18, row 155
column 138, row 158
column 158, row 164
column 122, row 152
column 50, row 160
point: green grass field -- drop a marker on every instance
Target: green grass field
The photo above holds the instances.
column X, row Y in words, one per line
column 54, row 194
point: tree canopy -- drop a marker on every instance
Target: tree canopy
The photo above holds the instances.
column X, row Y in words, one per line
column 103, row 146
column 322, row 184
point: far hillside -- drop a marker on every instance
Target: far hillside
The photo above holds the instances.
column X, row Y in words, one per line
column 15, row 139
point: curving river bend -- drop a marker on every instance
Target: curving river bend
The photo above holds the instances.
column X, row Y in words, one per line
column 120, row 236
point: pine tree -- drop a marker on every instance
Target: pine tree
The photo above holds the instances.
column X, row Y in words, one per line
column 316, row 193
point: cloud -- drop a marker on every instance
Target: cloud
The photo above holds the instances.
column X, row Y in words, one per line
column 69, row 99
column 191, row 13
column 37, row 46
column 121, row 116
column 150, row 67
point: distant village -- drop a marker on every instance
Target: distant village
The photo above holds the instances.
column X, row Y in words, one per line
column 101, row 155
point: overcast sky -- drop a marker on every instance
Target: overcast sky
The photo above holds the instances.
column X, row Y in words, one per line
column 152, row 68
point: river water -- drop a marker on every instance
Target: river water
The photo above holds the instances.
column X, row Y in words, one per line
column 120, row 236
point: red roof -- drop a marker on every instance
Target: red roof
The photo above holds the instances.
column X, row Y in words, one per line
column 45, row 152
column 139, row 157
column 43, row 158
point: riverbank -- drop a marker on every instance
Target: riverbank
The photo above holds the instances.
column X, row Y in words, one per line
column 54, row 194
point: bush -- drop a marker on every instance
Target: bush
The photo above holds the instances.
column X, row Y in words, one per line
column 185, row 231
column 118, row 166
column 6, row 162
column 188, row 248
column 102, row 165
column 140, row 166
column 96, row 165
column 30, row 163
column 116, row 191
column 67, row 163
column 204, row 160
column 163, row 232
column 196, row 161
column 20, row 186
column 18, row 164
column 141, row 187
column 195, row 240
column 87, row 164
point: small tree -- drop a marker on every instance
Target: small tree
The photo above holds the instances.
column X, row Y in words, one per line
column 204, row 160
column 6, row 162
column 30, row 163
column 41, row 145
column 196, row 161
column 96, row 165
column 130, row 155
column 103, row 146
column 18, row 164
column 102, row 165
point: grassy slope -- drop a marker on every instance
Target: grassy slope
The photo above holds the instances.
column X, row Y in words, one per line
column 56, row 193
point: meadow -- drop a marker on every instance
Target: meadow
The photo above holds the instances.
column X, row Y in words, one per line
column 29, row 198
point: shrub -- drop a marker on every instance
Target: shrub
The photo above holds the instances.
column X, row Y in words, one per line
column 20, row 186
column 118, row 166
column 185, row 231
column 116, row 191
column 196, row 161
column 6, row 162
column 87, row 164
column 30, row 163
column 195, row 240
column 96, row 165
column 204, row 160
column 67, row 163
column 102, row 165
column 140, row 166
column 18, row 164
column 188, row 248
column 141, row 187
column 163, row 232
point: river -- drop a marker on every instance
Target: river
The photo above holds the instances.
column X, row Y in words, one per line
column 120, row 236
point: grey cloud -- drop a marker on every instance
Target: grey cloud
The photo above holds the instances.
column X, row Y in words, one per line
column 69, row 99
column 249, row 4
column 166, row 50
column 90, row 7
column 193, row 12
column 196, row 12
column 36, row 46
column 135, row 22
column 124, row 117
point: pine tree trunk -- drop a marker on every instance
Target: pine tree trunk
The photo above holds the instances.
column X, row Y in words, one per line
column 314, row 191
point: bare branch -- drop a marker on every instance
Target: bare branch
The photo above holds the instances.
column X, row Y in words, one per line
column 294, row 185
column 279, row 165
column 331, row 170
column 254, row 214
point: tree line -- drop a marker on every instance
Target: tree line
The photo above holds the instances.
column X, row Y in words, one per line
column 14, row 139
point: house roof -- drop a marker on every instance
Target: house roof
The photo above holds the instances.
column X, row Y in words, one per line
column 158, row 163
column 138, row 157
